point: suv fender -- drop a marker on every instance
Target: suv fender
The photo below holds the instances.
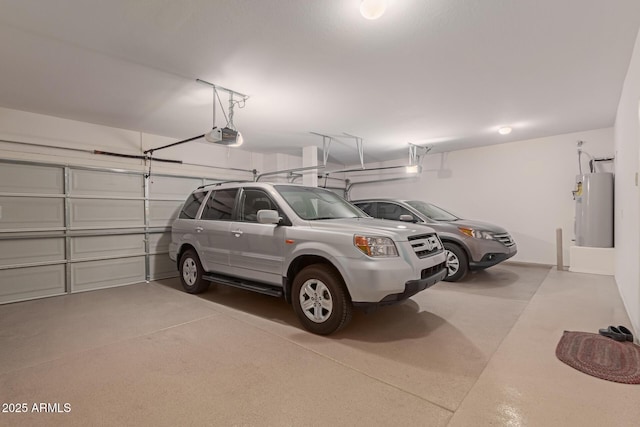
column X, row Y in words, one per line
column 445, row 237
column 319, row 249
column 182, row 249
column 298, row 264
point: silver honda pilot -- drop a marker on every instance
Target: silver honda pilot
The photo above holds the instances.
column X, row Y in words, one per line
column 306, row 244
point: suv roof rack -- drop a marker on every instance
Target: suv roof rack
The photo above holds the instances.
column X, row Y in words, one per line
column 222, row 182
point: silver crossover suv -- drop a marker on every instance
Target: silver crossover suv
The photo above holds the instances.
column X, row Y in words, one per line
column 305, row 244
column 470, row 245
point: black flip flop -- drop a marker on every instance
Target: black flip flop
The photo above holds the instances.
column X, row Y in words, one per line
column 613, row 333
column 626, row 332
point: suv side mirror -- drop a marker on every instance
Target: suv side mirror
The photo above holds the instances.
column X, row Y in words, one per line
column 267, row 216
column 406, row 218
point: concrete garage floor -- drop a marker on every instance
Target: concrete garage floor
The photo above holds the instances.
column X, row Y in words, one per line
column 479, row 352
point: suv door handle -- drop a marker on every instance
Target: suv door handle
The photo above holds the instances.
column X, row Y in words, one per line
column 199, row 229
column 237, row 233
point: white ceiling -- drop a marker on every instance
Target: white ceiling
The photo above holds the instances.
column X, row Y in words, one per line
column 443, row 73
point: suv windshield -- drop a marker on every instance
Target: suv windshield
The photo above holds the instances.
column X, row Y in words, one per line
column 317, row 203
column 432, row 211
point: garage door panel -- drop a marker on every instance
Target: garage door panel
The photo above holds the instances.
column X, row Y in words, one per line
column 106, row 246
column 26, row 251
column 31, row 213
column 163, row 212
column 20, row 178
column 107, row 273
column 67, row 229
column 99, row 213
column 100, row 183
column 19, row 284
column 166, row 187
column 159, row 242
column 161, row 267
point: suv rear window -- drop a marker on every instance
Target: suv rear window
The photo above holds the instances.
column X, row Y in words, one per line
column 220, row 205
column 191, row 206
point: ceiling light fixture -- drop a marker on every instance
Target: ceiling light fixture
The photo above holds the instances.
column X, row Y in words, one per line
column 506, row 130
column 373, row 9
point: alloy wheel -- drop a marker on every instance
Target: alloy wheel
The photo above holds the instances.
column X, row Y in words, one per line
column 453, row 263
column 316, row 300
column 189, row 271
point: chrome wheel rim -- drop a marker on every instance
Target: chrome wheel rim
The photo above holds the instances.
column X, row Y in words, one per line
column 453, row 263
column 189, row 271
column 316, row 301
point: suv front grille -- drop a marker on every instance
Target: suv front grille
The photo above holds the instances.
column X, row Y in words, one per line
column 425, row 245
column 505, row 239
column 432, row 270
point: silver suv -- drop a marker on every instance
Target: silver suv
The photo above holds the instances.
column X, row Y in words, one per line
column 469, row 244
column 305, row 244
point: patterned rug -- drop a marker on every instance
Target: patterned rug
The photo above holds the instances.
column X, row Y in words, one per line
column 600, row 356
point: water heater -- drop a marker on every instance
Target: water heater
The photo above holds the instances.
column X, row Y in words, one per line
column 594, row 210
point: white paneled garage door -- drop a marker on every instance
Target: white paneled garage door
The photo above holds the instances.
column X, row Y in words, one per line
column 66, row 229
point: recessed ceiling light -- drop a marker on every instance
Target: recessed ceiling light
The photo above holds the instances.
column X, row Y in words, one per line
column 373, row 9
column 504, row 130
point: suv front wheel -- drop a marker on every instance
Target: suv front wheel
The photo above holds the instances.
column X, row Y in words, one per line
column 191, row 272
column 457, row 264
column 320, row 299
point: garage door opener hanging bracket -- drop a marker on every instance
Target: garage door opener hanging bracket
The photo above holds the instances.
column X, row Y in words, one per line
column 228, row 135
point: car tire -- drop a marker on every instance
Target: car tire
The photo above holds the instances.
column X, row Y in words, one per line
column 320, row 299
column 191, row 273
column 457, row 262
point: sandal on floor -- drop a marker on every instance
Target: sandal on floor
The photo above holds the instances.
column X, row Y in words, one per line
column 613, row 333
column 627, row 333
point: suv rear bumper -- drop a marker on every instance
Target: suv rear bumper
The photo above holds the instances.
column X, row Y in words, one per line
column 432, row 276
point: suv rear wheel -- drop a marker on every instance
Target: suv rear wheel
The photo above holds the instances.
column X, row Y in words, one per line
column 191, row 272
column 320, row 299
column 457, row 263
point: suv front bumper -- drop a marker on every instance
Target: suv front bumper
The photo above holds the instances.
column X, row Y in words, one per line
column 429, row 277
column 493, row 255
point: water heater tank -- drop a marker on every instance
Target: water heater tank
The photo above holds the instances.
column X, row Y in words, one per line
column 594, row 210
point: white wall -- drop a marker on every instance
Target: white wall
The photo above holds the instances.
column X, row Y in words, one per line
column 56, row 132
column 523, row 186
column 627, row 212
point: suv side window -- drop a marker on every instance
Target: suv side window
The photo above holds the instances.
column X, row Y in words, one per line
column 368, row 207
column 192, row 205
column 219, row 206
column 392, row 211
column 251, row 202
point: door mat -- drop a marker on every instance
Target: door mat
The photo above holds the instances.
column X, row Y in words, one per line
column 600, row 356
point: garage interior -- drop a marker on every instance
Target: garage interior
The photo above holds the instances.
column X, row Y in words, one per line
column 489, row 109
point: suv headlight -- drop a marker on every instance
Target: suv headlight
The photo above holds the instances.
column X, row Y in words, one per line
column 478, row 234
column 375, row 246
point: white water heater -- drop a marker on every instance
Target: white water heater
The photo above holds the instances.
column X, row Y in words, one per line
column 594, row 210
